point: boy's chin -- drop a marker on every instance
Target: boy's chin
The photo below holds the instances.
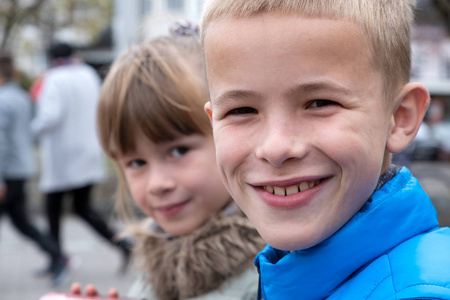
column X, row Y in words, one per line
column 290, row 243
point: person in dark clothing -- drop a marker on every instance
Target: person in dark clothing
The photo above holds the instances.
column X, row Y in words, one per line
column 16, row 165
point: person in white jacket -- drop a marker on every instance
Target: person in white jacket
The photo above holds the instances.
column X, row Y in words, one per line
column 72, row 161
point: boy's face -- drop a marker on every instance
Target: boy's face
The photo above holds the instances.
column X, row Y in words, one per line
column 299, row 122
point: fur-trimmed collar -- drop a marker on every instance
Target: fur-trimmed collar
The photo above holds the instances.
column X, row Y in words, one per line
column 192, row 265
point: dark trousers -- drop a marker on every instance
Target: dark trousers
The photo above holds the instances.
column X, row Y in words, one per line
column 14, row 205
column 81, row 202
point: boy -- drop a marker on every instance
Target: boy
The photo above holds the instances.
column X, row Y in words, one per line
column 309, row 99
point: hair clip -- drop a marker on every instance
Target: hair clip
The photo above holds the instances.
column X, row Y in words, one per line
column 184, row 28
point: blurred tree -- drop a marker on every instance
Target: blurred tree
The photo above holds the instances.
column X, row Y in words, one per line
column 13, row 13
column 86, row 16
column 28, row 27
column 444, row 7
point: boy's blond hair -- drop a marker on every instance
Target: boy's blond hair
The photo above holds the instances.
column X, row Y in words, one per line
column 156, row 88
column 386, row 23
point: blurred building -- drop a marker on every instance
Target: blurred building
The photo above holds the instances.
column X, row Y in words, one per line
column 431, row 66
column 135, row 21
column 431, row 46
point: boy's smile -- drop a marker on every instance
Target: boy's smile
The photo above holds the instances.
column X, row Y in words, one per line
column 299, row 122
column 292, row 195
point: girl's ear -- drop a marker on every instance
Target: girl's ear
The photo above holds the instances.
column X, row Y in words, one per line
column 408, row 116
column 208, row 111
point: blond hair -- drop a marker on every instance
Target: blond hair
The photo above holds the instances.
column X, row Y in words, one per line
column 386, row 23
column 156, row 88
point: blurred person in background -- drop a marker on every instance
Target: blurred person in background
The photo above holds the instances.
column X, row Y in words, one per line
column 439, row 126
column 17, row 166
column 433, row 139
column 72, row 161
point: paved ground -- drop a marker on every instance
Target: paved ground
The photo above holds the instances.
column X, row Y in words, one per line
column 97, row 262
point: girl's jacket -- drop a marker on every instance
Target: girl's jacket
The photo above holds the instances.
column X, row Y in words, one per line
column 214, row 262
column 391, row 249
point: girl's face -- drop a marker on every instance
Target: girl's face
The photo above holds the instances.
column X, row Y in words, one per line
column 177, row 183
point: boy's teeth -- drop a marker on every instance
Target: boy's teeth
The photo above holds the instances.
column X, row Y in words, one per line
column 290, row 190
column 279, row 191
column 304, row 186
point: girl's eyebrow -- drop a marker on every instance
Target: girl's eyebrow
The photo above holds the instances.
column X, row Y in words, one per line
column 126, row 155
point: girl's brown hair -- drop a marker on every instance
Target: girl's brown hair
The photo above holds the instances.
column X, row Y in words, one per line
column 157, row 88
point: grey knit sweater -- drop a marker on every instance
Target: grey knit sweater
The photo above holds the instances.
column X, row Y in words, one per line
column 16, row 146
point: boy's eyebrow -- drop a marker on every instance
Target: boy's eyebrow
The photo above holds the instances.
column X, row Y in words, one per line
column 299, row 89
column 311, row 87
column 235, row 95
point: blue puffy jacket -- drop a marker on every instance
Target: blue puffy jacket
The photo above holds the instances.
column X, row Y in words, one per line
column 391, row 249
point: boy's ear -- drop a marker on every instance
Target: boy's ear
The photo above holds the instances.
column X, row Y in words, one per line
column 208, row 111
column 407, row 118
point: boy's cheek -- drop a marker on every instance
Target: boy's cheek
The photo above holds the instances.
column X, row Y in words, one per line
column 228, row 152
column 230, row 141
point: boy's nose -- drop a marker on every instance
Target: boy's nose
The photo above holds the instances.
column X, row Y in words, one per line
column 160, row 182
column 280, row 142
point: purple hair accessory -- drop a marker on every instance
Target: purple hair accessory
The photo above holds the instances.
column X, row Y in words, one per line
column 184, row 28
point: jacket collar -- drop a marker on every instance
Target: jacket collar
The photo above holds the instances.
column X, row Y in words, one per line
column 316, row 272
column 199, row 262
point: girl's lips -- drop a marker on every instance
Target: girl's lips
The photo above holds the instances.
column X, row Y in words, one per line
column 292, row 201
column 173, row 209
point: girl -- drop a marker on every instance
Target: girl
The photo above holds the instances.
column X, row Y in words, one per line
column 195, row 243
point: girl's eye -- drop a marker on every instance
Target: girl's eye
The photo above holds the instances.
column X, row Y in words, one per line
column 136, row 163
column 242, row 111
column 321, row 103
column 179, row 151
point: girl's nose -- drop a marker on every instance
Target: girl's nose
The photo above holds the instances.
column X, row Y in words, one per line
column 160, row 181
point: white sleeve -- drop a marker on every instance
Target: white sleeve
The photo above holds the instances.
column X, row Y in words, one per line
column 49, row 108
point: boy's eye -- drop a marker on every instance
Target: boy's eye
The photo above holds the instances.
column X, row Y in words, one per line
column 242, row 111
column 179, row 151
column 321, row 103
column 136, row 163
